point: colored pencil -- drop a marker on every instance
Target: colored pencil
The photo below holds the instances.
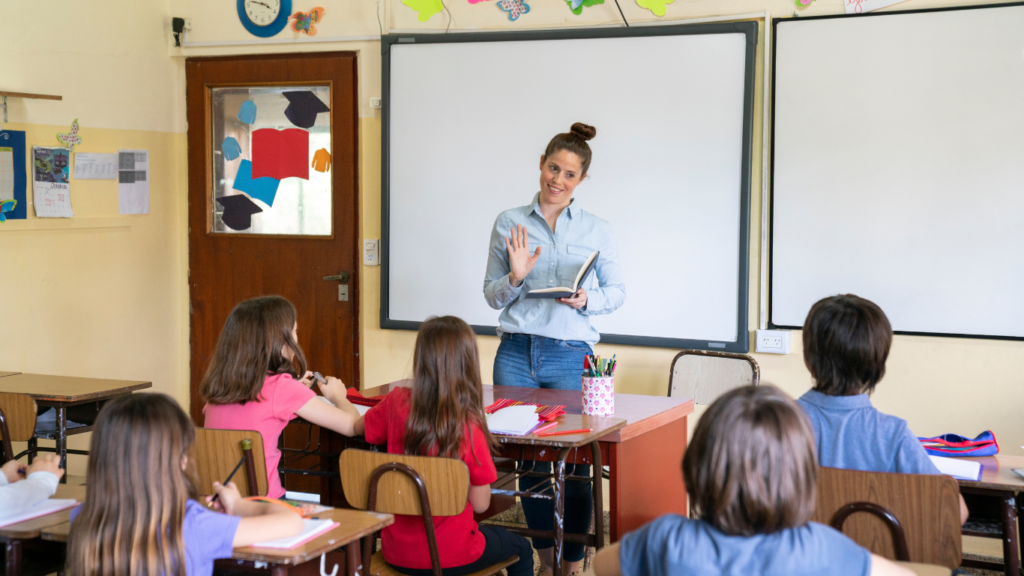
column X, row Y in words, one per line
column 545, row 427
column 230, row 476
column 562, row 432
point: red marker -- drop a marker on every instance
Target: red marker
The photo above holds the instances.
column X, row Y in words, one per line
column 563, row 432
column 545, row 427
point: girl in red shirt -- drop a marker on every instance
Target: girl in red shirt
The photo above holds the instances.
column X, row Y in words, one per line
column 443, row 415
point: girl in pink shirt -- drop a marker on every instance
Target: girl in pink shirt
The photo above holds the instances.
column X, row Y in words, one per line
column 253, row 381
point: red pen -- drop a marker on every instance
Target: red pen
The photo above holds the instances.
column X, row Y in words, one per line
column 545, row 427
column 562, row 432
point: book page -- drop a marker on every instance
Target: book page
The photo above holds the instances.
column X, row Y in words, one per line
column 583, row 270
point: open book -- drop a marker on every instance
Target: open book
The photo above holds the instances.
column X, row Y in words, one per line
column 561, row 292
column 960, row 469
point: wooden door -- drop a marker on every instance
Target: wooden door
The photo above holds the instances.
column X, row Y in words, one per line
column 280, row 253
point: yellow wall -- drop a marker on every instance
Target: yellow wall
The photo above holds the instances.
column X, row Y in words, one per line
column 111, row 300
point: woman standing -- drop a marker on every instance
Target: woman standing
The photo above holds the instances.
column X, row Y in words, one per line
column 544, row 341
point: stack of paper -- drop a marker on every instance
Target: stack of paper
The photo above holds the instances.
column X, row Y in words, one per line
column 42, row 509
column 960, row 469
column 513, row 421
column 312, row 529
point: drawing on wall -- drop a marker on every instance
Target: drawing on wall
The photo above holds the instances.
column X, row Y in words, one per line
column 6, row 207
column 13, row 177
column 659, row 7
column 306, row 22
column 425, row 8
column 577, row 5
column 71, row 139
column 515, row 8
column 51, row 191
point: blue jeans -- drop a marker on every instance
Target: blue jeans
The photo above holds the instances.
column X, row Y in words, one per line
column 537, row 362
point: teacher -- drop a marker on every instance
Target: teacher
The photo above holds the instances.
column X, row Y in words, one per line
column 544, row 341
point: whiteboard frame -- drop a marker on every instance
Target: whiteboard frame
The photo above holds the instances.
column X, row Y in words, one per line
column 771, row 233
column 748, row 28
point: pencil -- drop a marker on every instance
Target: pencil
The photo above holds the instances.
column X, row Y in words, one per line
column 561, row 432
column 545, row 427
column 230, row 476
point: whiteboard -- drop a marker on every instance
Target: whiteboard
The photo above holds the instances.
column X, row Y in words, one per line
column 898, row 168
column 467, row 118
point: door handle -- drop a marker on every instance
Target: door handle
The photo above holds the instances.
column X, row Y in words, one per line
column 343, row 277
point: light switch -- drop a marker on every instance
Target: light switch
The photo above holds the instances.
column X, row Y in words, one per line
column 371, row 252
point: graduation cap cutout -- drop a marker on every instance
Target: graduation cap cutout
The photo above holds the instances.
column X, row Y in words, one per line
column 303, row 107
column 238, row 211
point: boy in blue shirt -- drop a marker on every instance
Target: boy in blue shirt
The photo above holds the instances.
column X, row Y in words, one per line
column 846, row 343
column 751, row 476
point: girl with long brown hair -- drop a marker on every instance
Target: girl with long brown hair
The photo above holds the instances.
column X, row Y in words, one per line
column 443, row 415
column 141, row 515
column 253, row 382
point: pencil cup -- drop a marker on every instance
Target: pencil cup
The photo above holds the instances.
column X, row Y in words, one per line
column 599, row 396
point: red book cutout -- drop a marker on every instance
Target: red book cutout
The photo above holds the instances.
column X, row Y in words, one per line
column 280, row 153
column 545, row 413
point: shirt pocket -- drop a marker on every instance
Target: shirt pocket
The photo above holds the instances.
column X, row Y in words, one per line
column 575, row 256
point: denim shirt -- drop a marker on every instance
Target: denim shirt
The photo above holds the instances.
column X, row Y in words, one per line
column 562, row 252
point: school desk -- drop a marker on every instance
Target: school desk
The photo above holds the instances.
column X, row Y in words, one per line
column 2, row 374
column 15, row 535
column 995, row 503
column 59, row 392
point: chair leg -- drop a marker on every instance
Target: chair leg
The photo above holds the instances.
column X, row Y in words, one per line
column 559, row 510
column 1011, row 551
column 595, row 450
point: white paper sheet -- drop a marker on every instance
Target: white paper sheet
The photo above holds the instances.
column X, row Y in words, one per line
column 513, row 420
column 42, row 509
column 961, row 469
column 92, row 166
column 359, row 407
column 311, row 530
column 51, row 189
column 133, row 181
column 6, row 173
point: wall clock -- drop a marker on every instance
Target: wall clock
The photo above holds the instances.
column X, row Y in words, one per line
column 264, row 18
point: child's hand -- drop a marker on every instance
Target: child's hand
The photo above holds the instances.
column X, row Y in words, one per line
column 13, row 470
column 227, row 497
column 46, row 463
column 307, row 378
column 334, row 390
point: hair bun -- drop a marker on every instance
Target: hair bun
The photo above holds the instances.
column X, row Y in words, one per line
column 584, row 131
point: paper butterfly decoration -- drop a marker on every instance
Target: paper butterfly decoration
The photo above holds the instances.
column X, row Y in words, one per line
column 804, row 2
column 515, row 8
column 71, row 138
column 658, row 7
column 577, row 5
column 306, row 22
column 426, row 8
column 5, row 207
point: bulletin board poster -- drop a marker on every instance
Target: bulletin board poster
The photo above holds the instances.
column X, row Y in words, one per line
column 13, row 178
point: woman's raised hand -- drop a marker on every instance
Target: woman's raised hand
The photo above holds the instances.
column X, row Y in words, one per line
column 519, row 255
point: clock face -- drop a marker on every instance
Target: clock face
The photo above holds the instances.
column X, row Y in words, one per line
column 262, row 12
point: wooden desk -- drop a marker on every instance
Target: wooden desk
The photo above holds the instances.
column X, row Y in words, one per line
column 16, row 534
column 2, row 374
column 1003, row 491
column 59, row 392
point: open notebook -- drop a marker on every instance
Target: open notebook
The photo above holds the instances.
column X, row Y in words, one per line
column 562, row 292
column 960, row 469
column 311, row 530
column 42, row 509
column 362, row 409
column 513, row 421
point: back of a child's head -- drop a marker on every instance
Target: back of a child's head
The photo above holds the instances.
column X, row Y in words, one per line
column 751, row 467
column 250, row 348
column 447, row 393
column 846, row 343
column 136, row 490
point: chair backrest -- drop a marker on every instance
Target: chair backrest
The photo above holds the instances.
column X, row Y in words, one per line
column 17, row 421
column 217, row 452
column 927, row 507
column 446, row 479
column 704, row 376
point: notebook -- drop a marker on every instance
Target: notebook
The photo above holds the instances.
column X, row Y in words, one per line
column 311, row 530
column 42, row 509
column 957, row 468
column 561, row 292
column 359, row 407
column 544, row 412
column 513, row 420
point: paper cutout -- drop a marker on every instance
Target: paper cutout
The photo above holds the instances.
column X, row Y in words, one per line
column 425, row 8
column 6, row 207
column 577, row 5
column 515, row 8
column 230, row 148
column 803, row 3
column 322, row 160
column 280, row 153
column 303, row 107
column 93, row 166
column 238, row 211
column 247, row 112
column 133, row 181
column 51, row 193
column 71, row 138
column 262, row 189
column 13, row 175
column 658, row 7
column 306, row 22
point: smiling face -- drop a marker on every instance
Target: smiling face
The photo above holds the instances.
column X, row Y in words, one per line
column 560, row 173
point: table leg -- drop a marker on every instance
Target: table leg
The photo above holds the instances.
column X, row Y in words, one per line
column 559, row 507
column 353, row 559
column 278, row 570
column 13, row 560
column 1011, row 549
column 646, row 477
column 61, row 442
column 598, row 469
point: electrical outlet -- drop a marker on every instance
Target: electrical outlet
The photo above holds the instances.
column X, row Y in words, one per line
column 773, row 341
column 188, row 24
column 375, row 102
column 371, row 252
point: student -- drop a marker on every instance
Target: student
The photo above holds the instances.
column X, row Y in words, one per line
column 23, row 487
column 252, row 382
column 751, row 476
column 443, row 415
column 846, row 343
column 140, row 514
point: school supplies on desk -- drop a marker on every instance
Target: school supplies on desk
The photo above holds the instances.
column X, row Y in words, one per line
column 959, row 469
column 355, row 397
column 513, row 420
column 597, row 367
column 42, row 509
column 561, row 292
column 954, row 445
column 544, row 412
column 565, row 432
column 310, row 530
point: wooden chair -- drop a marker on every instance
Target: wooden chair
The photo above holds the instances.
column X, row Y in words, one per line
column 903, row 517
column 704, row 376
column 411, row 485
column 217, row 452
column 17, row 421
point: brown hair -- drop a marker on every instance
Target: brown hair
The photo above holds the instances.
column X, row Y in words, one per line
column 751, row 467
column 131, row 521
column 846, row 343
column 249, row 350
column 447, row 394
column 575, row 141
